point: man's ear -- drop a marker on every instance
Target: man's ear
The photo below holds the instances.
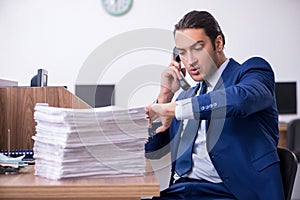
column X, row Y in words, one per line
column 219, row 43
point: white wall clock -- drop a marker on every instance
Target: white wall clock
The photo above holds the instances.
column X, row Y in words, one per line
column 117, row 7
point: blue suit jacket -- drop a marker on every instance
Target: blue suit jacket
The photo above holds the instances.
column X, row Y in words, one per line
column 243, row 130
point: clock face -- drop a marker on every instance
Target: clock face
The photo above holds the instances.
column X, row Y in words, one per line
column 117, row 7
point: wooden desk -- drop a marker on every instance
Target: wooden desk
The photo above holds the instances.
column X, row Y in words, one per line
column 28, row 186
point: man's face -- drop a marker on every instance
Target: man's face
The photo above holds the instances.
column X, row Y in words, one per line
column 196, row 52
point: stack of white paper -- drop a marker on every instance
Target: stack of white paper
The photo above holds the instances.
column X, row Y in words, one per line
column 105, row 142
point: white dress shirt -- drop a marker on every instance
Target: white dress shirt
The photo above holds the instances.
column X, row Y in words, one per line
column 202, row 166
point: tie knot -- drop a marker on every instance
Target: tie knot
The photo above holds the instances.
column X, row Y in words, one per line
column 203, row 88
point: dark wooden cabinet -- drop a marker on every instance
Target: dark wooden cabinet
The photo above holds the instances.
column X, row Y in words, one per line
column 17, row 109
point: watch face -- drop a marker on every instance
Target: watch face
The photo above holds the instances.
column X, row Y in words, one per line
column 117, row 7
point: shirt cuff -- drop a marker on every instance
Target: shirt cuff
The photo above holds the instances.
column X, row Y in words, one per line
column 184, row 109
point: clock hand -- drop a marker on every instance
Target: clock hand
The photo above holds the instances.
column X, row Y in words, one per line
column 116, row 4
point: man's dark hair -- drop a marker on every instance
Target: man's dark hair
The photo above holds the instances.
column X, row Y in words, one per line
column 203, row 20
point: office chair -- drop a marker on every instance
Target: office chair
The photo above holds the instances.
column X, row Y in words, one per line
column 293, row 137
column 288, row 170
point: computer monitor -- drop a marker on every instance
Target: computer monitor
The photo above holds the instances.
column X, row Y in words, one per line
column 286, row 97
column 96, row 95
column 41, row 79
column 8, row 83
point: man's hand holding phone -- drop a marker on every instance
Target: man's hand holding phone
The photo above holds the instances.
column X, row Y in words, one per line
column 169, row 82
column 172, row 80
column 182, row 82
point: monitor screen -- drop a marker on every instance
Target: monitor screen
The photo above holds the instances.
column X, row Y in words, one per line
column 286, row 97
column 96, row 95
column 41, row 79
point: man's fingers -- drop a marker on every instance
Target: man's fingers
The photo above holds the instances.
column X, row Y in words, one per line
column 183, row 70
column 161, row 129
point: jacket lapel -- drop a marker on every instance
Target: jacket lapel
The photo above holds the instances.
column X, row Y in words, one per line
column 226, row 74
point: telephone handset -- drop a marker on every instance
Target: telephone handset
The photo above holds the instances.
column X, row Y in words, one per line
column 183, row 83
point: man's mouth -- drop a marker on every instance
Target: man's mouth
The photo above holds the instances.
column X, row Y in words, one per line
column 194, row 70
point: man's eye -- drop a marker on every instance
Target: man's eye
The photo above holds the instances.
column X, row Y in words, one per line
column 198, row 48
column 182, row 53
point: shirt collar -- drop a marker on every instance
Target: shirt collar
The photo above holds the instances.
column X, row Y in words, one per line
column 213, row 79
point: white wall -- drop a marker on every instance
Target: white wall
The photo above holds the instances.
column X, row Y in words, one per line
column 60, row 35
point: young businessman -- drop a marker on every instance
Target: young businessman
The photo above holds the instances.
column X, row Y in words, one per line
column 223, row 132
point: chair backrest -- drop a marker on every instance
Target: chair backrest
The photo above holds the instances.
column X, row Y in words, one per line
column 288, row 169
column 293, row 137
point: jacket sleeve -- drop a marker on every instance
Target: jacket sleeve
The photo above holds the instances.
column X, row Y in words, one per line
column 157, row 145
column 251, row 91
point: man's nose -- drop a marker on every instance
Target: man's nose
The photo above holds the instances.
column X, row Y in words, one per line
column 192, row 59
